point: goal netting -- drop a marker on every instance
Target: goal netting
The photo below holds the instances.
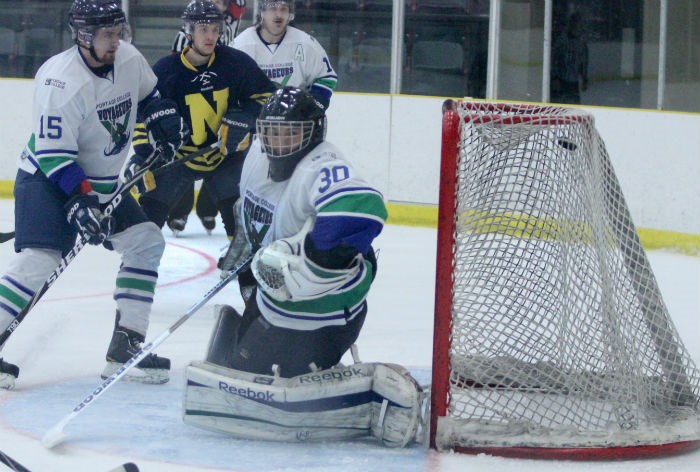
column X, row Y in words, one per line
column 551, row 335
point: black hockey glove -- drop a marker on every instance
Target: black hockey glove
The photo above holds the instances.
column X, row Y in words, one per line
column 83, row 213
column 166, row 129
column 236, row 131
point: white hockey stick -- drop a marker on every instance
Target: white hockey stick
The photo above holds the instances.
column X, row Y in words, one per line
column 55, row 435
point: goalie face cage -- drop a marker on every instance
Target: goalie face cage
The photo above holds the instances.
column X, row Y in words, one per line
column 551, row 337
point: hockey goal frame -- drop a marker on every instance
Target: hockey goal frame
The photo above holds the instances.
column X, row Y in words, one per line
column 444, row 289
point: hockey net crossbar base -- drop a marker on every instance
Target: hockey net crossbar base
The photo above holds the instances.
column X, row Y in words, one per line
column 551, row 337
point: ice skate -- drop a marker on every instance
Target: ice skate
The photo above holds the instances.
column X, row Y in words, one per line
column 177, row 225
column 126, row 344
column 8, row 375
column 209, row 223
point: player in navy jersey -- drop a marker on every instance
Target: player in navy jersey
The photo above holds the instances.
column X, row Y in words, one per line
column 233, row 11
column 220, row 92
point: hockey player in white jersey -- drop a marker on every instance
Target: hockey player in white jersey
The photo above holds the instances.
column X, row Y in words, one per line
column 310, row 219
column 288, row 55
column 86, row 101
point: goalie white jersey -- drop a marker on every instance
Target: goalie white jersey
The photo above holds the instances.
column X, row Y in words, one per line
column 298, row 60
column 80, row 117
column 327, row 186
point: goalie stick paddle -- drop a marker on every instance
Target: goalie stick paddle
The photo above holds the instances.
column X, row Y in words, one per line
column 17, row 467
column 4, row 237
column 55, row 435
column 80, row 242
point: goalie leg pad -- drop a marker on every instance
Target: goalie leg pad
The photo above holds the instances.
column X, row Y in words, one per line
column 326, row 405
column 396, row 415
column 223, row 336
column 360, row 400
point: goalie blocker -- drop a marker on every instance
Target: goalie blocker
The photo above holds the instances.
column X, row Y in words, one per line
column 360, row 400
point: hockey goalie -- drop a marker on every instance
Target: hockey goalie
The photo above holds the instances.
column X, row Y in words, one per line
column 274, row 372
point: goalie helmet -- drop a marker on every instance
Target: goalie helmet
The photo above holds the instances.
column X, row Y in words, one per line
column 87, row 16
column 201, row 12
column 290, row 125
column 262, row 5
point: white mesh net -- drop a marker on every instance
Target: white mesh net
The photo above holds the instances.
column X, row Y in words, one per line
column 559, row 335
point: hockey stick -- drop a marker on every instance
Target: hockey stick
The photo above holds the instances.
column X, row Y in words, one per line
column 17, row 467
column 12, row 464
column 4, row 237
column 80, row 242
column 55, row 435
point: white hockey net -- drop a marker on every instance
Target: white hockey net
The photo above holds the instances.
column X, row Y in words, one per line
column 551, row 333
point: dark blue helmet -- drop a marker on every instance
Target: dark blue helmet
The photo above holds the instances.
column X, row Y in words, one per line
column 201, row 11
column 87, row 16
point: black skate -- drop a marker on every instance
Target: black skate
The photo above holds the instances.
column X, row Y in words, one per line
column 176, row 225
column 209, row 223
column 8, row 375
column 126, row 344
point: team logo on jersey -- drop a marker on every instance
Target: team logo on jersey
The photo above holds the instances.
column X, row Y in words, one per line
column 275, row 72
column 114, row 116
column 257, row 217
column 55, row 83
column 206, row 80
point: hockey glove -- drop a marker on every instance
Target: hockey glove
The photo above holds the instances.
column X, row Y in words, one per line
column 83, row 213
column 166, row 129
column 285, row 273
column 236, row 131
column 134, row 165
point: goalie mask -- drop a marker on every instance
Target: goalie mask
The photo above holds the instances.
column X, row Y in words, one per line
column 201, row 12
column 290, row 125
column 87, row 16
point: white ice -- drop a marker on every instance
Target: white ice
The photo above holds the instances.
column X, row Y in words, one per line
column 60, row 349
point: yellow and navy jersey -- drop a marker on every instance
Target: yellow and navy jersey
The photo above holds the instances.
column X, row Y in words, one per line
column 231, row 79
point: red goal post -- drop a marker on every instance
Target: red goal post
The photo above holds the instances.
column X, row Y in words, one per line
column 551, row 338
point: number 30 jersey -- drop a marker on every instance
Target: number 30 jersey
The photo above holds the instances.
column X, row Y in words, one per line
column 348, row 211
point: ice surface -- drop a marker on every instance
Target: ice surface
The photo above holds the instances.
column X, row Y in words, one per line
column 60, row 349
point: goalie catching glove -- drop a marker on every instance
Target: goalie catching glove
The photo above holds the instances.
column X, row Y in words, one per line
column 236, row 131
column 285, row 273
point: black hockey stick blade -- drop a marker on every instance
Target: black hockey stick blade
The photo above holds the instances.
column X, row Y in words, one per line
column 128, row 467
column 12, row 464
column 4, row 237
column 17, row 467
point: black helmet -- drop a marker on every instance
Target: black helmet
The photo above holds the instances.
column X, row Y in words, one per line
column 290, row 112
column 201, row 11
column 87, row 16
column 263, row 4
